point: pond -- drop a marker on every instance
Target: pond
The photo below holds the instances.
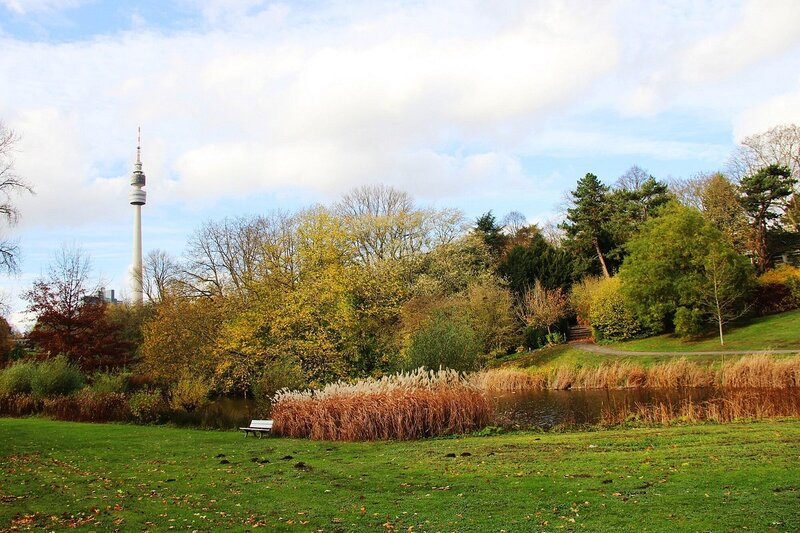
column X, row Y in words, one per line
column 569, row 408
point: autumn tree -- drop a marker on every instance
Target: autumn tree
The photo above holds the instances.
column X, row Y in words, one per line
column 161, row 275
column 10, row 185
column 384, row 223
column 721, row 205
column 6, row 340
column 180, row 338
column 223, row 256
column 761, row 196
column 542, row 308
column 69, row 319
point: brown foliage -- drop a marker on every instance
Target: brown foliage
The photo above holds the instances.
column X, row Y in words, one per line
column 88, row 406
column 68, row 321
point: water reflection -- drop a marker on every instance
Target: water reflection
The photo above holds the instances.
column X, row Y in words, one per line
column 548, row 409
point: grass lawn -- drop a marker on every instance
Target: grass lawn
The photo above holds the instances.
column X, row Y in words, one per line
column 101, row 477
column 779, row 332
column 776, row 332
column 566, row 355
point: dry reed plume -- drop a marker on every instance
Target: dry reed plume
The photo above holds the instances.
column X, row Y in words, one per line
column 733, row 405
column 403, row 406
column 756, row 371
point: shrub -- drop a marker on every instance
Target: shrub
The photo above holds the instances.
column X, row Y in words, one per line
column 554, row 337
column 19, row 404
column 690, row 322
column 189, row 393
column 88, row 406
column 104, row 383
column 611, row 317
column 582, row 295
column 778, row 290
column 136, row 382
column 533, row 338
column 445, row 342
column 147, row 406
column 17, row 378
column 56, row 376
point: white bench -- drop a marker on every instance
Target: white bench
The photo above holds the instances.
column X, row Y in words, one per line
column 258, row 427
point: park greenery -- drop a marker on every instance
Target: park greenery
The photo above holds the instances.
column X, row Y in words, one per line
column 375, row 284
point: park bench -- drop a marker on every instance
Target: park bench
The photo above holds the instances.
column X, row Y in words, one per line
column 258, row 427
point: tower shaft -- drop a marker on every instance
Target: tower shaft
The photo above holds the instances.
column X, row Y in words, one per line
column 136, row 270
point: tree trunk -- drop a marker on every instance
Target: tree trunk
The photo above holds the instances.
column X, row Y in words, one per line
column 601, row 258
column 761, row 247
column 719, row 308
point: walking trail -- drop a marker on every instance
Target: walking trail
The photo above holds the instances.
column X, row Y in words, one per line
column 586, row 347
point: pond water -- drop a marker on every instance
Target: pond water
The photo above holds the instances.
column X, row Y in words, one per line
column 552, row 408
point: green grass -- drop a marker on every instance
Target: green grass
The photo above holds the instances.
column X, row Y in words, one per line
column 566, row 355
column 776, row 332
column 102, row 477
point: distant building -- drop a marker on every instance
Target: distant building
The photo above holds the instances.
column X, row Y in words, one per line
column 101, row 296
column 786, row 249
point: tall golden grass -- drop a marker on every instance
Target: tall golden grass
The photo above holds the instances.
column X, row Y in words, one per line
column 402, row 406
column 733, row 405
column 756, row 371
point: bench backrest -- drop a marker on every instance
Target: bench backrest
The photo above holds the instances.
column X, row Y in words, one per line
column 262, row 424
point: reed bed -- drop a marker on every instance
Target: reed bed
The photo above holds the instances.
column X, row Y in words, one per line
column 403, row 406
column 508, row 380
column 762, row 371
column 756, row 371
column 733, row 405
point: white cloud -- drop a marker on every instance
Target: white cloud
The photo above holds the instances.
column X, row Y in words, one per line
column 781, row 109
column 764, row 29
column 321, row 107
column 430, row 97
column 713, row 55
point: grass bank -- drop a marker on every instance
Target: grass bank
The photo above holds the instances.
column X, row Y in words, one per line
column 775, row 332
column 106, row 476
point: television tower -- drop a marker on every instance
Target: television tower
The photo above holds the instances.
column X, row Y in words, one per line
column 138, row 197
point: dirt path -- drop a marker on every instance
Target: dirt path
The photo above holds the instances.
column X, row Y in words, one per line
column 611, row 351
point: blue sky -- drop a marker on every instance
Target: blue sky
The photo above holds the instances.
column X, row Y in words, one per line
column 248, row 105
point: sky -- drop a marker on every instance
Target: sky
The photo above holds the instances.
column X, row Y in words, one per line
column 248, row 106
